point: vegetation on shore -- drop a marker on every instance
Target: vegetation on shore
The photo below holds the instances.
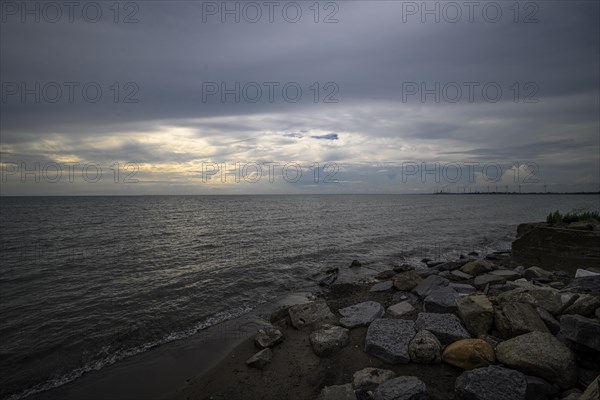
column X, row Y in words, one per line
column 556, row 217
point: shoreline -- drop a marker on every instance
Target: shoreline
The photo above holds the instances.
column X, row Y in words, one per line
column 211, row 363
column 162, row 371
column 296, row 372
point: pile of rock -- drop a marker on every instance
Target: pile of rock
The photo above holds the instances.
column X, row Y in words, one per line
column 517, row 333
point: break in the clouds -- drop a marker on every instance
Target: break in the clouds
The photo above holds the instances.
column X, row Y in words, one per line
column 299, row 97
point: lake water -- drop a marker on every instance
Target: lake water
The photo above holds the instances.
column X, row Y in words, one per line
column 87, row 281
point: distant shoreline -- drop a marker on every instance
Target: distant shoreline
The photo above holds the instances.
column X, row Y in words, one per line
column 301, row 194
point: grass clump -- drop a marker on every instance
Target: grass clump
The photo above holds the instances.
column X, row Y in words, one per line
column 556, row 217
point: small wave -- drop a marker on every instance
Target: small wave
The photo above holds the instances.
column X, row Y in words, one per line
column 105, row 361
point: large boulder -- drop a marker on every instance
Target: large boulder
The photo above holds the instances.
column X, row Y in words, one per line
column 400, row 309
column 581, row 330
column 388, row 339
column 539, row 389
column 491, row 383
column 593, row 391
column 407, row 280
column 451, row 265
column 469, row 354
column 399, row 297
column 329, row 339
column 514, row 319
column 369, row 378
column 509, row 275
column 338, row 392
column 430, row 284
column 425, row 348
column 540, row 354
column 461, row 276
column 268, row 337
column 585, row 304
column 551, row 323
column 488, row 279
column 477, row 313
column 382, row 286
column 478, row 267
column 548, row 299
column 401, row 388
column 261, row 359
column 536, row 273
column 441, row 301
column 446, row 327
column 361, row 314
column 462, row 288
column 311, row 314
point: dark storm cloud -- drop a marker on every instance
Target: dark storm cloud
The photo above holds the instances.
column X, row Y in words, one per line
column 175, row 68
column 329, row 136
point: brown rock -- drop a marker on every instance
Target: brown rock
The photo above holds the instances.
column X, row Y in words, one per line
column 514, row 319
column 407, row 280
column 469, row 354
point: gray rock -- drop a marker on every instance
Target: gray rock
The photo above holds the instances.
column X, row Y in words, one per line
column 444, row 274
column 547, row 298
column 400, row 309
column 430, row 284
column 462, row 288
column 581, row 330
column 593, row 391
column 488, row 279
column 574, row 394
column 407, row 280
column 542, row 355
column 338, row 392
column 268, row 337
column 536, row 273
column 551, row 323
column 496, row 290
column 588, row 284
column 424, row 273
column 403, row 268
column 477, row 313
column 361, row 314
column 539, row 389
column 369, row 378
column 388, row 339
column 446, row 327
column 387, row 274
column 514, row 319
column 401, row 388
column 451, row 265
column 382, row 286
column 311, row 314
column 457, row 274
column 425, row 348
column 506, row 274
column 441, row 301
column 399, row 297
column 582, row 273
column 329, row 340
column 491, row 383
column 261, row 359
column 584, row 305
column 478, row 267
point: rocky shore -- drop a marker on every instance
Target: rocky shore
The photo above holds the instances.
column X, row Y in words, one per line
column 469, row 329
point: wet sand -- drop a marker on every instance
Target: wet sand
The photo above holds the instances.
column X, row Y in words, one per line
column 297, row 373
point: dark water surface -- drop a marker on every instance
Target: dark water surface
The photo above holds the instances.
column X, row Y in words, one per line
column 87, row 281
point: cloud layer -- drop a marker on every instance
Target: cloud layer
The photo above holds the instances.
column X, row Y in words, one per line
column 361, row 100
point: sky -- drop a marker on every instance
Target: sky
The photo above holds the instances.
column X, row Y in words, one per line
column 191, row 97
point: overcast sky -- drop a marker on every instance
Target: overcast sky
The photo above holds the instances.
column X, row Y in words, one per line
column 298, row 97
